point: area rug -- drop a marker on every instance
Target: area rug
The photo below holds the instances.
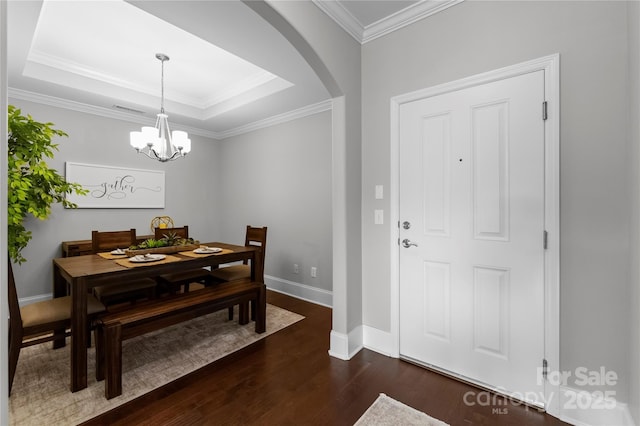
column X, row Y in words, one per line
column 41, row 395
column 387, row 411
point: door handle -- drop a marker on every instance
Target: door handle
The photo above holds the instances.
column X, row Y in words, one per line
column 407, row 243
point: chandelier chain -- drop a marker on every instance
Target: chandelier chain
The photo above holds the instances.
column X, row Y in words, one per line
column 162, row 59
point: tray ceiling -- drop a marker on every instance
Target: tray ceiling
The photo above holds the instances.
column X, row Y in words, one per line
column 229, row 69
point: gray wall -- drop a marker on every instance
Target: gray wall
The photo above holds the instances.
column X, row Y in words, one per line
column 340, row 56
column 191, row 189
column 634, row 179
column 280, row 177
column 474, row 37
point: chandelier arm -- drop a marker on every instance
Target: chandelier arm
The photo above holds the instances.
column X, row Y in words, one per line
column 148, row 153
column 153, row 154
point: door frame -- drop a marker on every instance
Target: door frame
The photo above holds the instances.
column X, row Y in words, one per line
column 551, row 67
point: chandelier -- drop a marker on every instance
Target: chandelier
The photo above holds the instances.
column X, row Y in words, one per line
column 158, row 142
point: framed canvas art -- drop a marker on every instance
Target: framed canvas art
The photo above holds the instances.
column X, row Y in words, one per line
column 116, row 187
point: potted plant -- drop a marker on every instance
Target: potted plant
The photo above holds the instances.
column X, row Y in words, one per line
column 169, row 243
column 33, row 187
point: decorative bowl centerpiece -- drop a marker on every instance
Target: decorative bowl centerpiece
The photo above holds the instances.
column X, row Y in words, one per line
column 169, row 243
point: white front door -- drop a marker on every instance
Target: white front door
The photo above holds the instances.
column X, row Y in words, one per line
column 472, row 200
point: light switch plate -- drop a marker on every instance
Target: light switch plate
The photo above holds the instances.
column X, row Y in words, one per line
column 379, row 192
column 379, row 217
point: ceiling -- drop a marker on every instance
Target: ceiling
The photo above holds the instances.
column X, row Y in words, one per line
column 229, row 70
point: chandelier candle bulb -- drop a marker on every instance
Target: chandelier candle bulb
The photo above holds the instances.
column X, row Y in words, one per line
column 150, row 135
column 136, row 140
column 181, row 141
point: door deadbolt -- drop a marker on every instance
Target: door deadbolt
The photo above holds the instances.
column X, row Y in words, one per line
column 406, row 225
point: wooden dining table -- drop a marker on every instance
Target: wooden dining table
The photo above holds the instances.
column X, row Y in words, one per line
column 81, row 273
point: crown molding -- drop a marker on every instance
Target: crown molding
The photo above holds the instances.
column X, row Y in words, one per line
column 279, row 119
column 342, row 17
column 100, row 111
column 70, row 67
column 43, row 62
column 402, row 18
column 134, row 118
column 406, row 16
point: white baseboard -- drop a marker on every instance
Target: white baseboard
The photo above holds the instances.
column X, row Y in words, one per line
column 379, row 341
column 339, row 345
column 345, row 346
column 300, row 291
column 342, row 346
column 583, row 408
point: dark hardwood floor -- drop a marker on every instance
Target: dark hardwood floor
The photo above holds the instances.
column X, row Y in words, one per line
column 289, row 379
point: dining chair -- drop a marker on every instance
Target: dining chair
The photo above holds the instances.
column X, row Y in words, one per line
column 40, row 322
column 132, row 290
column 254, row 236
column 173, row 283
column 102, row 241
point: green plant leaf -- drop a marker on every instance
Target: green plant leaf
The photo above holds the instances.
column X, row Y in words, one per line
column 33, row 186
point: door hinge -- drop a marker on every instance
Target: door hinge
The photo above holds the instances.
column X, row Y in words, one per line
column 545, row 368
column 544, row 110
column 545, row 239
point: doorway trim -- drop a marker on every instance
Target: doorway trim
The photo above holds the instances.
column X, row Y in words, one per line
column 551, row 67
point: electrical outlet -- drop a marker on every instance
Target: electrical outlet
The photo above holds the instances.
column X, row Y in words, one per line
column 314, row 272
column 296, row 268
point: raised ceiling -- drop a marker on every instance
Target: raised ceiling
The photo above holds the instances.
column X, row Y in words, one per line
column 202, row 78
column 229, row 69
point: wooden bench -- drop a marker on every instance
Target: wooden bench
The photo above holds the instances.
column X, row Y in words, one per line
column 145, row 317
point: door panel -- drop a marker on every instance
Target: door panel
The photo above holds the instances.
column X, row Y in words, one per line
column 489, row 138
column 437, row 290
column 436, row 172
column 472, row 187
